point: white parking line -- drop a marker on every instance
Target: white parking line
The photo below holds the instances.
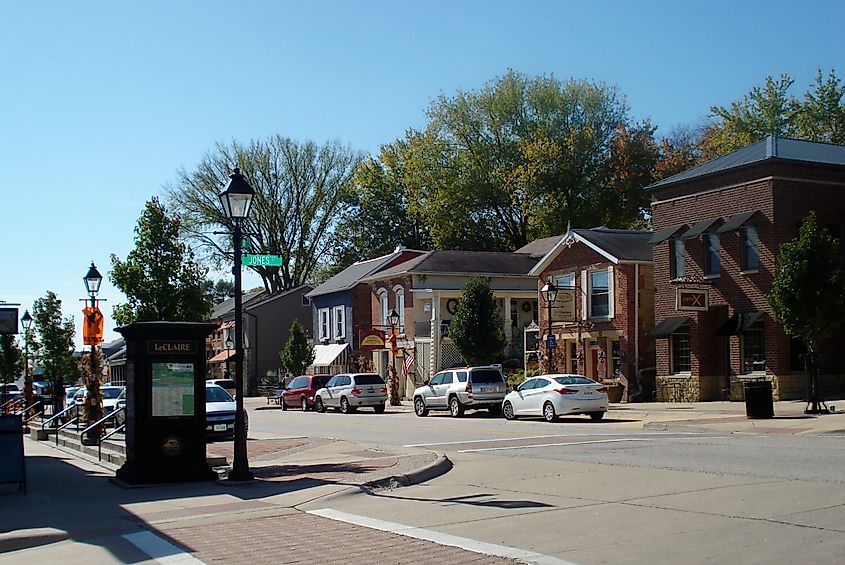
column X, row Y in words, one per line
column 161, row 550
column 440, row 538
column 551, row 444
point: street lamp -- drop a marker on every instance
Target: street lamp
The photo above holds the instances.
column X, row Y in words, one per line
column 93, row 279
column 549, row 292
column 236, row 200
column 26, row 320
column 393, row 321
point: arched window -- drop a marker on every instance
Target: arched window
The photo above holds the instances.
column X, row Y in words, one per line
column 382, row 297
column 400, row 308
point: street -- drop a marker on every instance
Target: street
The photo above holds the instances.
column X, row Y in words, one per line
column 606, row 492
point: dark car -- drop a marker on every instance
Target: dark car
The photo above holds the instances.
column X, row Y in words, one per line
column 301, row 390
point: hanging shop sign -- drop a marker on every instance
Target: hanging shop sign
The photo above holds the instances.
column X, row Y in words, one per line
column 689, row 299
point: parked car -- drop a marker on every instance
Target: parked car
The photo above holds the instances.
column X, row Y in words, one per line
column 120, row 415
column 9, row 392
column 350, row 391
column 220, row 410
column 227, row 384
column 70, row 392
column 110, row 394
column 457, row 390
column 302, row 390
column 551, row 396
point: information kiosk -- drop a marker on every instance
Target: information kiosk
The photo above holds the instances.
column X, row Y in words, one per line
column 165, row 402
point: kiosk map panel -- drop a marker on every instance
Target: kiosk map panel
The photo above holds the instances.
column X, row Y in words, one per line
column 173, row 389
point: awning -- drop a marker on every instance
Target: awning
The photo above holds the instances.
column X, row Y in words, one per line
column 699, row 228
column 667, row 327
column 736, row 221
column 223, row 356
column 324, row 355
column 666, row 233
column 738, row 323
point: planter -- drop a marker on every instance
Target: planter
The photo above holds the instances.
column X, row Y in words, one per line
column 614, row 392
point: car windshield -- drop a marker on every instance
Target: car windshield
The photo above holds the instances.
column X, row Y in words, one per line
column 225, row 384
column 486, row 376
column 111, row 393
column 368, row 380
column 216, row 394
column 575, row 381
column 319, row 382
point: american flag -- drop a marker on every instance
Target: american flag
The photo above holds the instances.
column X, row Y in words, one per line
column 407, row 363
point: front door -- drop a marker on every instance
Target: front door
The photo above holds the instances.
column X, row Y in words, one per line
column 594, row 363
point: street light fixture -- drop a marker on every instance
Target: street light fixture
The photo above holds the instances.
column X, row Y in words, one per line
column 393, row 321
column 549, row 292
column 93, row 409
column 236, row 200
column 26, row 321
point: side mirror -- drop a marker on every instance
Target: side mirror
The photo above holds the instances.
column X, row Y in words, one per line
column 425, row 382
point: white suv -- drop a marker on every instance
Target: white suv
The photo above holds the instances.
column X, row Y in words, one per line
column 458, row 389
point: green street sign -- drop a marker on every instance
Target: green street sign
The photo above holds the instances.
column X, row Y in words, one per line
column 261, row 260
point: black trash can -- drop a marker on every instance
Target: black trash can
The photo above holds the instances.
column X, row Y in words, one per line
column 758, row 399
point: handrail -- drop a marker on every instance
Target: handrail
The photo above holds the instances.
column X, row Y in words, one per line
column 27, row 419
column 66, row 424
column 62, row 413
column 10, row 405
column 107, row 436
column 108, row 416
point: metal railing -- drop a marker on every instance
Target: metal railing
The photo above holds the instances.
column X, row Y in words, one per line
column 11, row 406
column 117, row 429
column 57, row 417
column 109, row 416
column 34, row 415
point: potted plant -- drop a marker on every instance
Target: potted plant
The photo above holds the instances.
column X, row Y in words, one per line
column 615, row 390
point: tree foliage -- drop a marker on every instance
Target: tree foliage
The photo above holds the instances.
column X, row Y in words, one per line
column 220, row 291
column 297, row 354
column 55, row 343
column 160, row 277
column 476, row 327
column 301, row 191
column 11, row 359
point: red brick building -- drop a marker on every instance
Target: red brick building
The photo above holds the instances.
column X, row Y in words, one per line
column 605, row 303
column 718, row 228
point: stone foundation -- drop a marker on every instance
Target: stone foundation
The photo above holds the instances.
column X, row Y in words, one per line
column 678, row 389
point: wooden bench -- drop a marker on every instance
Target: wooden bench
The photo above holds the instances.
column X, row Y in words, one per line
column 276, row 397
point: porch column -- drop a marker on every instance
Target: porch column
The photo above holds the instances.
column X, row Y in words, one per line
column 507, row 321
column 434, row 354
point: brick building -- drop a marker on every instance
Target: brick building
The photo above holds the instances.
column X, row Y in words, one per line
column 718, row 228
column 605, row 303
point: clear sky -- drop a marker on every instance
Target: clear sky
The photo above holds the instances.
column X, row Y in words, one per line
column 103, row 102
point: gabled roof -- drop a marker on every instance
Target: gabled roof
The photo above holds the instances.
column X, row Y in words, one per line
column 618, row 246
column 262, row 299
column 494, row 263
column 539, row 247
column 352, row 275
column 773, row 147
column 229, row 304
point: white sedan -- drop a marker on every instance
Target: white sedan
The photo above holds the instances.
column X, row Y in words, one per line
column 551, row 396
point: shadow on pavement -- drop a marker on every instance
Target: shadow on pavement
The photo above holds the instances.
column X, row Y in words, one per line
column 472, row 500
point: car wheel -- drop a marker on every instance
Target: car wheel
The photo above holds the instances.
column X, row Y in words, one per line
column 344, row 405
column 304, row 404
column 379, row 408
column 495, row 410
column 282, row 403
column 507, row 410
column 596, row 416
column 456, row 409
column 318, row 405
column 549, row 412
column 419, row 407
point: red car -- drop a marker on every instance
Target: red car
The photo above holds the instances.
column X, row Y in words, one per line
column 301, row 390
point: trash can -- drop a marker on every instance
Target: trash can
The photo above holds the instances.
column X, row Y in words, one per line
column 758, row 399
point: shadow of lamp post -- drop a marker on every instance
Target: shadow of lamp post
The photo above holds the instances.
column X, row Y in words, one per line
column 236, row 200
column 549, row 292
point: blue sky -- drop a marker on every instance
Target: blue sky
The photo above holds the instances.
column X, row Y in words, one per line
column 103, row 102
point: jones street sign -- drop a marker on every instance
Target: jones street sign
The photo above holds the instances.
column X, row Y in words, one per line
column 261, row 260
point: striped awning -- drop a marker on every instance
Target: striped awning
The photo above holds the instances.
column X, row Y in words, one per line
column 223, row 356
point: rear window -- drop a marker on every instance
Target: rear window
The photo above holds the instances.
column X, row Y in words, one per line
column 486, row 376
column 319, row 382
column 216, row 394
column 575, row 381
column 368, row 380
column 226, row 383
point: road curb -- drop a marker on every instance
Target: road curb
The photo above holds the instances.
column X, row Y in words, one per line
column 440, row 466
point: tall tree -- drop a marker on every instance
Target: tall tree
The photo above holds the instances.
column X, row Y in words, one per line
column 476, row 328
column 297, row 353
column 160, row 277
column 220, row 290
column 301, row 192
column 55, row 344
column 808, row 295
column 11, row 360
column 822, row 110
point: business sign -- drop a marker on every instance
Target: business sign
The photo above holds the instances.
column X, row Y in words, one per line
column 261, row 260
column 695, row 300
column 171, row 347
column 372, row 339
column 563, row 308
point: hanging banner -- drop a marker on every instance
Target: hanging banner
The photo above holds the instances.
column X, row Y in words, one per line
column 92, row 326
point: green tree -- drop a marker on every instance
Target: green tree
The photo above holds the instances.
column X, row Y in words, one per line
column 476, row 327
column 160, row 278
column 301, row 193
column 55, row 344
column 822, row 110
column 808, row 295
column 297, row 354
column 220, row 290
column 11, row 360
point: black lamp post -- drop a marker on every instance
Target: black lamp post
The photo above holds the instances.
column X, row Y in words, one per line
column 93, row 279
column 26, row 320
column 549, row 292
column 237, row 201
column 393, row 321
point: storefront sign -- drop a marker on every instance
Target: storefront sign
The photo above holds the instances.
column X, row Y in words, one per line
column 686, row 299
column 180, row 347
column 563, row 308
column 372, row 339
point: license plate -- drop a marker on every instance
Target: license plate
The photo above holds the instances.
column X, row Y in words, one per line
column 220, row 427
column 488, row 389
column 588, row 392
column 371, row 390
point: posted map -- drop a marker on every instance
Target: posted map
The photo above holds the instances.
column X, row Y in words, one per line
column 173, row 389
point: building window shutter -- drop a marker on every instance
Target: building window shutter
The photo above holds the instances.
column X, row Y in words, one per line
column 585, row 293
column 611, row 297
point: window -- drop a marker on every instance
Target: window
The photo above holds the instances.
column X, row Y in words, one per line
column 527, row 385
column 332, row 382
column 677, row 261
column 573, row 358
column 339, row 322
column 565, row 281
column 600, row 294
column 323, row 314
column 441, row 378
column 344, row 380
column 750, row 249
column 462, row 376
column 681, row 350
column 754, row 348
column 400, row 309
column 713, row 263
column 616, row 357
column 298, row 382
column 382, row 297
column 541, row 383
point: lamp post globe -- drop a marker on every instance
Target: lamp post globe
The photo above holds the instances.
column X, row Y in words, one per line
column 236, row 200
column 93, row 279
